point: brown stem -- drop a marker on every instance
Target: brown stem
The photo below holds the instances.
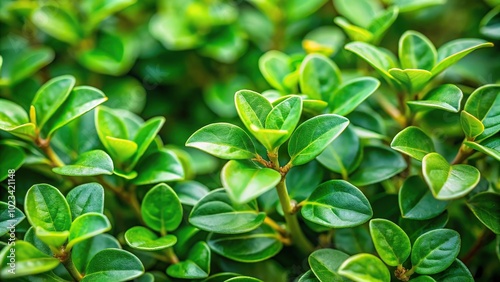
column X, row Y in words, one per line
column 462, row 155
column 391, row 110
column 481, row 241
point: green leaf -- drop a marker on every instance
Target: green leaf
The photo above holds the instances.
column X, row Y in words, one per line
column 12, row 115
column 190, row 192
column 275, row 66
column 9, row 217
column 145, row 136
column 489, row 24
column 413, row 79
column 29, row 63
column 121, row 149
column 416, row 51
column 196, row 266
column 81, row 100
column 455, row 50
column 46, row 207
column 91, row 163
column 490, row 146
column 257, row 245
column 319, row 77
column 413, row 142
column 351, row 94
column 413, row 5
column 325, row 264
column 391, row 242
column 447, row 181
column 84, row 251
column 31, row 238
column 442, row 245
column 378, row 164
column 326, row 40
column 343, row 154
column 313, row 136
column 373, row 56
column 284, row 116
column 245, row 182
column 484, row 104
column 353, row 240
column 28, row 260
column 99, row 10
column 471, row 126
column 416, row 200
column 50, row 97
column 308, row 277
column 382, row 23
column 141, row 238
column 223, row 140
column 217, row 213
column 54, row 239
column 113, row 264
column 456, row 272
column 86, row 198
column 161, row 209
column 415, row 228
column 12, row 158
column 297, row 9
column 446, row 97
column 361, row 12
column 354, row 32
column 114, row 134
column 86, row 226
column 485, row 207
column 337, row 204
column 365, row 267
column 58, row 23
column 160, row 166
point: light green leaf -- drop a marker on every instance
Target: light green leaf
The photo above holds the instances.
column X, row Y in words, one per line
column 484, row 104
column 12, row 115
column 490, row 146
column 378, row 164
column 298, row 9
column 160, row 166
column 447, row 181
column 29, row 63
column 373, row 56
column 141, row 238
column 416, row 200
column 284, row 116
column 217, row 213
column 29, row 260
column 86, row 198
column 256, row 245
column 121, row 149
column 455, row 50
column 313, row 136
column 319, row 77
column 441, row 245
column 87, row 226
column 326, row 40
column 275, row 66
column 308, row 277
column 161, row 209
column 361, row 12
column 223, row 140
column 391, row 242
column 471, row 126
column 351, row 94
column 413, row 79
column 91, row 163
column 54, row 239
column 382, row 23
column 46, row 207
column 416, row 51
column 365, row 267
column 58, row 23
column 325, row 264
column 99, row 10
column 446, row 97
column 413, row 142
column 113, row 264
column 145, row 136
column 354, row 32
column 196, row 266
column 337, row 204
column 486, row 208
column 84, row 251
column 245, row 182
column 9, row 217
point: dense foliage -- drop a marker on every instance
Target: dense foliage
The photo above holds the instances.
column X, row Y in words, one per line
column 259, row 140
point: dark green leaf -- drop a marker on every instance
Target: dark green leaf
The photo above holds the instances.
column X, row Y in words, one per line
column 46, row 207
column 415, row 228
column 446, row 97
column 456, row 272
column 9, row 217
column 308, row 277
column 490, row 146
column 113, row 264
column 86, row 198
column 351, row 94
column 12, row 158
column 353, row 240
column 416, row 200
column 392, row 244
column 365, row 267
column 489, row 24
column 413, row 142
column 84, row 251
column 145, row 136
column 161, row 209
column 487, row 209
column 91, row 163
column 319, row 77
column 141, row 238
column 484, row 104
column 441, row 245
column 160, row 166
column 196, row 266
column 190, row 192
column 325, row 264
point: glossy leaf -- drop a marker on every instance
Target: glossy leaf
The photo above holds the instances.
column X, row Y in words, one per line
column 391, row 242
column 12, row 115
column 455, row 50
column 413, row 142
column 161, row 209
column 46, row 207
column 415, row 228
column 50, row 97
column 337, row 204
column 471, row 126
column 13, row 157
column 416, row 51
column 275, row 66
column 160, row 166
column 57, row 22
column 121, row 149
column 457, row 272
column 87, row 226
column 373, row 56
column 9, row 217
column 91, row 163
column 447, row 181
column 308, row 277
column 245, row 182
column 113, row 264
column 490, row 146
column 441, row 245
column 54, row 239
column 313, row 136
column 141, row 238
column 378, row 164
column 416, row 200
column 223, row 140
column 484, row 104
column 145, row 136
column 353, row 240
column 486, row 208
column 413, row 79
column 256, row 245
column 86, row 198
column 361, row 13
column 365, row 267
column 382, row 22
column 190, row 192
column 196, row 266
column 217, row 213
column 319, row 77
column 325, row 264
column 284, row 116
column 28, row 260
column 354, row 32
column 84, row 251
column 351, row 94
column 447, row 97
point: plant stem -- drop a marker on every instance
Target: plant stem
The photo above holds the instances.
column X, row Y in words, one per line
column 128, row 197
column 171, row 256
column 274, row 225
column 53, row 157
column 462, row 155
column 482, row 240
column 68, row 264
column 391, row 110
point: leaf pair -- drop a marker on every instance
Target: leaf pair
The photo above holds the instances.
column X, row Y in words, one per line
column 55, row 104
column 419, row 60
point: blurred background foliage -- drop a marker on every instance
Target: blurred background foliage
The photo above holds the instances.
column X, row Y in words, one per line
column 184, row 60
